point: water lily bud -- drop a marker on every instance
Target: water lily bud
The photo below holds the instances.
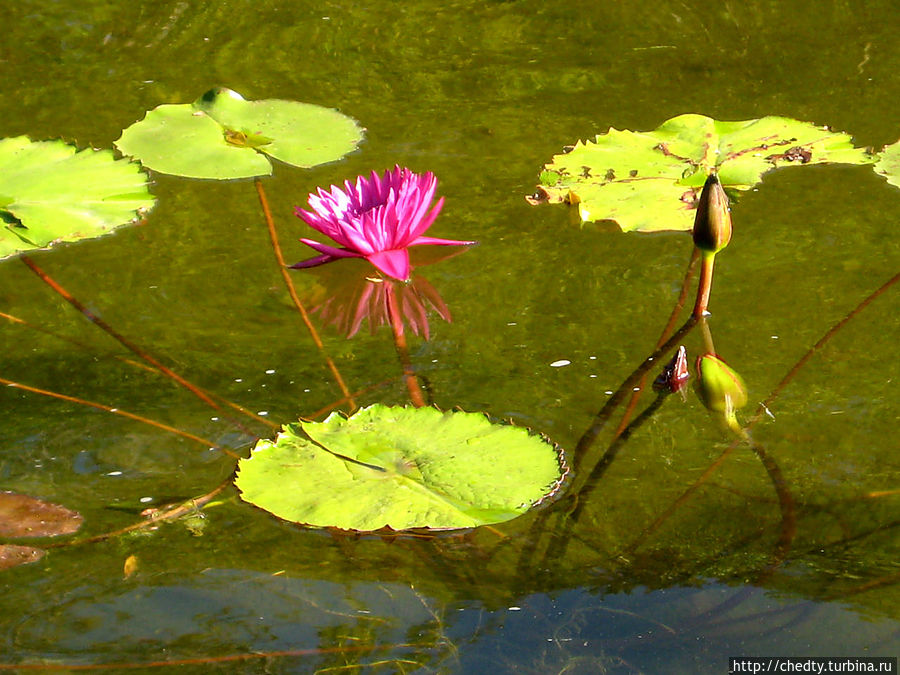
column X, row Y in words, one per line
column 712, row 224
column 675, row 373
column 721, row 389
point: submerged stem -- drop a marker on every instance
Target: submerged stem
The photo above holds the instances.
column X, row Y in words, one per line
column 412, row 384
column 116, row 411
column 125, row 342
column 667, row 331
column 134, row 364
column 757, row 415
column 276, row 248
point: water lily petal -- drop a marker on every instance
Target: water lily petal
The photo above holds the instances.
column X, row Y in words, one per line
column 424, row 241
column 394, row 263
column 425, row 189
column 329, row 251
column 313, row 262
column 426, row 220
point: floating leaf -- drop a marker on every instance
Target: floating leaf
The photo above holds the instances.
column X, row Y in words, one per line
column 401, row 468
column 130, row 567
column 649, row 181
column 223, row 136
column 24, row 516
column 888, row 164
column 50, row 192
column 12, row 555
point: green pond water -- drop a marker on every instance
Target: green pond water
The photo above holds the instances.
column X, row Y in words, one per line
column 636, row 575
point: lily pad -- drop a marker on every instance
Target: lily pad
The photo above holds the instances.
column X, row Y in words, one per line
column 24, row 516
column 12, row 555
column 649, row 181
column 50, row 192
column 888, row 164
column 401, row 468
column 221, row 135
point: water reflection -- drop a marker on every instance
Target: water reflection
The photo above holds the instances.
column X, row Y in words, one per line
column 362, row 299
column 381, row 300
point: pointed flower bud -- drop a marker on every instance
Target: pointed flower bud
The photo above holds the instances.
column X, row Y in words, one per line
column 721, row 389
column 712, row 224
column 675, row 373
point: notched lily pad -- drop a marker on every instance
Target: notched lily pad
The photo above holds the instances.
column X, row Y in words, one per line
column 24, row 516
column 649, row 181
column 221, row 135
column 51, row 192
column 401, row 468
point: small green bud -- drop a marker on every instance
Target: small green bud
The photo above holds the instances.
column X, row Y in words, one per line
column 721, row 389
column 712, row 224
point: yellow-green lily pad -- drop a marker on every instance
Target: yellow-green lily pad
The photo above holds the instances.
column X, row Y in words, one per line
column 649, row 181
column 51, row 192
column 221, row 135
column 401, row 468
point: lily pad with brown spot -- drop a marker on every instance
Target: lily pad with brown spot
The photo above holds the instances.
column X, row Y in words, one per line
column 649, row 181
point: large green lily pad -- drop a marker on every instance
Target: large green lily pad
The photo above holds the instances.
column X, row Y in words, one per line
column 221, row 135
column 401, row 468
column 650, row 181
column 50, row 192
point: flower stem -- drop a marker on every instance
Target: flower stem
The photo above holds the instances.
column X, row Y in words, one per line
column 667, row 331
column 705, row 285
column 760, row 412
column 708, row 344
column 117, row 411
column 276, row 247
column 122, row 340
column 134, row 364
column 412, row 384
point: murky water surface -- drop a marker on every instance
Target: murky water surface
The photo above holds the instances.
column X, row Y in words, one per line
column 681, row 552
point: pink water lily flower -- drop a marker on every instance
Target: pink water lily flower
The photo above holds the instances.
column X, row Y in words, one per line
column 376, row 218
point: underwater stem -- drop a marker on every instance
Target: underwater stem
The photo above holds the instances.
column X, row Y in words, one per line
column 122, row 413
column 276, row 248
column 412, row 384
column 760, row 412
column 134, row 364
column 121, row 339
column 667, row 331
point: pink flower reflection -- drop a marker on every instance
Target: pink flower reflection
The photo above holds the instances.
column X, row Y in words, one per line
column 377, row 218
column 370, row 300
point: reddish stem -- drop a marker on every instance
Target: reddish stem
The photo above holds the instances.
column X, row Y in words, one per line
column 199, row 660
column 667, row 331
column 116, row 411
column 288, row 282
column 121, row 339
column 412, row 384
column 760, row 411
column 168, row 513
column 135, row 364
column 705, row 285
